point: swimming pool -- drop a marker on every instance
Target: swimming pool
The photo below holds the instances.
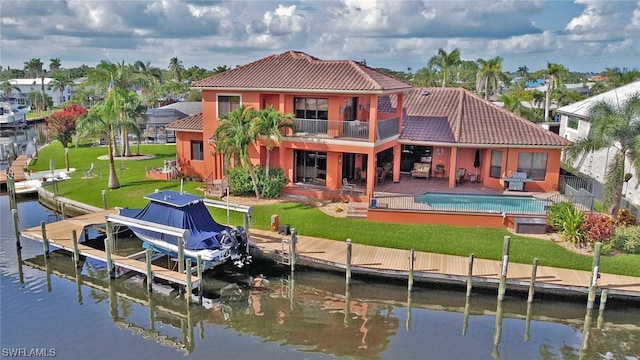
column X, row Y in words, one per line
column 484, row 203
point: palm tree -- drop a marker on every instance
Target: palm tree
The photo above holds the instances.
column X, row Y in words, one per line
column 104, row 119
column 444, row 63
column 269, row 124
column 7, row 88
column 55, row 64
column 34, row 69
column 613, row 126
column 60, row 81
column 489, row 75
column 147, row 77
column 424, row 77
column 233, row 136
column 513, row 102
column 176, row 68
column 132, row 110
column 523, row 72
column 553, row 76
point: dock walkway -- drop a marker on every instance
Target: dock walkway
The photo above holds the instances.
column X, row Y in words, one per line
column 59, row 234
column 371, row 260
column 16, row 169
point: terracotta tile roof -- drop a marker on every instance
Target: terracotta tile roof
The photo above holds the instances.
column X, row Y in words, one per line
column 470, row 120
column 192, row 123
column 297, row 71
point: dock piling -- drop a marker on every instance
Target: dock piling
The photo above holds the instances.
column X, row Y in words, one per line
column 200, row 285
column 45, row 241
column 16, row 228
column 505, row 265
column 348, row 270
column 534, row 270
column 412, row 259
column 107, row 251
column 603, row 304
column 188, row 274
column 76, row 252
column 104, row 199
column 292, row 249
column 148, row 254
column 470, row 275
column 593, row 284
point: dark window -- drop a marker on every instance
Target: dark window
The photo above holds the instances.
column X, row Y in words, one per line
column 197, row 150
column 534, row 164
column 496, row 164
column 572, row 122
column 309, row 108
column 227, row 103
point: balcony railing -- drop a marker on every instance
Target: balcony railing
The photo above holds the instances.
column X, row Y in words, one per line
column 358, row 130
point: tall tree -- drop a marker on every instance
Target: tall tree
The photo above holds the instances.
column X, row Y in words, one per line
column 34, row 69
column 270, row 124
column 60, row 81
column 554, row 75
column 61, row 125
column 176, row 68
column 424, row 77
column 444, row 63
column 614, row 126
column 523, row 72
column 55, row 64
column 489, row 76
column 148, row 78
column 133, row 109
column 233, row 136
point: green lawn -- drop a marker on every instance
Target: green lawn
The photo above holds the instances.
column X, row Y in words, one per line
column 483, row 242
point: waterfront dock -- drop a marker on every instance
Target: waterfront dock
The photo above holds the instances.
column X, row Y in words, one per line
column 17, row 169
column 59, row 235
column 395, row 263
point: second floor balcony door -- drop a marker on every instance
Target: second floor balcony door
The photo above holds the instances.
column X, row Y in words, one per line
column 314, row 112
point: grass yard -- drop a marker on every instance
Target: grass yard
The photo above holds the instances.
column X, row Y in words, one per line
column 483, row 242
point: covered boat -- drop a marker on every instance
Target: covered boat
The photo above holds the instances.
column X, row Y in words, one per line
column 215, row 243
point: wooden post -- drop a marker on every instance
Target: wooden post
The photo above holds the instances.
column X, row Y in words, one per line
column 188, row 273
column 107, row 251
column 527, row 323
column 470, row 275
column 505, row 265
column 407, row 324
column 104, row 199
column 62, row 206
column 76, row 252
column 411, row 263
column 16, row 228
column 603, row 304
column 532, row 284
column 465, row 320
column 593, row 285
column 292, row 249
column 200, row 285
column 348, row 273
column 181, row 255
column 78, row 283
column 45, row 241
column 149, row 254
column 497, row 332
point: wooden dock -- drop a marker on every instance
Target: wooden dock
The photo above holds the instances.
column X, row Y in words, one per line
column 59, row 234
column 371, row 260
column 17, row 169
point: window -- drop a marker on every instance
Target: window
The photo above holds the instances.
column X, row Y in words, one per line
column 227, row 103
column 496, row 164
column 197, row 150
column 308, row 108
column 572, row 122
column 534, row 164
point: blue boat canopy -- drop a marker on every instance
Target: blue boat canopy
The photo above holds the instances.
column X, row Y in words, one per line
column 181, row 211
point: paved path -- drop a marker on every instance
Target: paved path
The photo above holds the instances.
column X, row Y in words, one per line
column 436, row 267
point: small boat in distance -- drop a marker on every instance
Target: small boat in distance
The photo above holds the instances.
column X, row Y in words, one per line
column 215, row 243
column 12, row 114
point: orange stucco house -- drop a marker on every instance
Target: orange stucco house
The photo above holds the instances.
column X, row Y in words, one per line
column 353, row 122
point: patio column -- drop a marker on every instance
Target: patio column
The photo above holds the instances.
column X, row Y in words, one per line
column 453, row 160
column 397, row 150
column 371, row 172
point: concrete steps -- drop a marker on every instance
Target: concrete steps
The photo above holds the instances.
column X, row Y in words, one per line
column 357, row 210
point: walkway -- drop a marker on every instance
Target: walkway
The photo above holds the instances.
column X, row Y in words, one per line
column 394, row 263
column 17, row 169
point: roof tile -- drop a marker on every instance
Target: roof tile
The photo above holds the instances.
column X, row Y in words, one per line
column 192, row 123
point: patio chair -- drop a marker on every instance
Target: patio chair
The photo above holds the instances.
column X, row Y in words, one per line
column 89, row 173
column 460, row 174
column 346, row 186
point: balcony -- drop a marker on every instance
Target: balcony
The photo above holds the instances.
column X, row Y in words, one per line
column 353, row 130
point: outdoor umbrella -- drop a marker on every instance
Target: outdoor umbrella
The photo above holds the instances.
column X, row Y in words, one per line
column 476, row 162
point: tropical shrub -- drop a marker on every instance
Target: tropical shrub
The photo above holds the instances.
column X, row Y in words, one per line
column 557, row 213
column 572, row 229
column 598, row 227
column 625, row 218
column 626, row 239
column 240, row 182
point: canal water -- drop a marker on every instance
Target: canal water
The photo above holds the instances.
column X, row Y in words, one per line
column 50, row 308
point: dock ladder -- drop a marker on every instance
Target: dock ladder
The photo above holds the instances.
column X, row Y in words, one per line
column 286, row 246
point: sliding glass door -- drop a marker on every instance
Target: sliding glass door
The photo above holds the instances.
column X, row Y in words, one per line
column 311, row 167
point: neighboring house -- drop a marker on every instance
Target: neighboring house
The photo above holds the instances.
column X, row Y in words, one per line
column 158, row 118
column 26, row 86
column 353, row 122
column 574, row 125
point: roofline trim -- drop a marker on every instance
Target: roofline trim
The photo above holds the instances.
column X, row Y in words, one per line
column 318, row 91
column 483, row 146
column 184, row 130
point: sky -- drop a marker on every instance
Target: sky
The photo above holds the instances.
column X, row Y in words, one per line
column 583, row 35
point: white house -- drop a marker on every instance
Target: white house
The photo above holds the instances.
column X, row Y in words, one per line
column 26, row 86
column 574, row 125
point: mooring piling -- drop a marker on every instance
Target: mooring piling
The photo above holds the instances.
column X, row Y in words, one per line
column 199, row 272
column 104, row 199
column 76, row 251
column 532, row 284
column 505, row 265
column 292, row 249
column 603, row 304
column 188, row 274
column 148, row 254
column 45, row 241
column 593, row 284
column 16, row 228
column 412, row 260
column 348, row 270
column 470, row 275
column 107, row 251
